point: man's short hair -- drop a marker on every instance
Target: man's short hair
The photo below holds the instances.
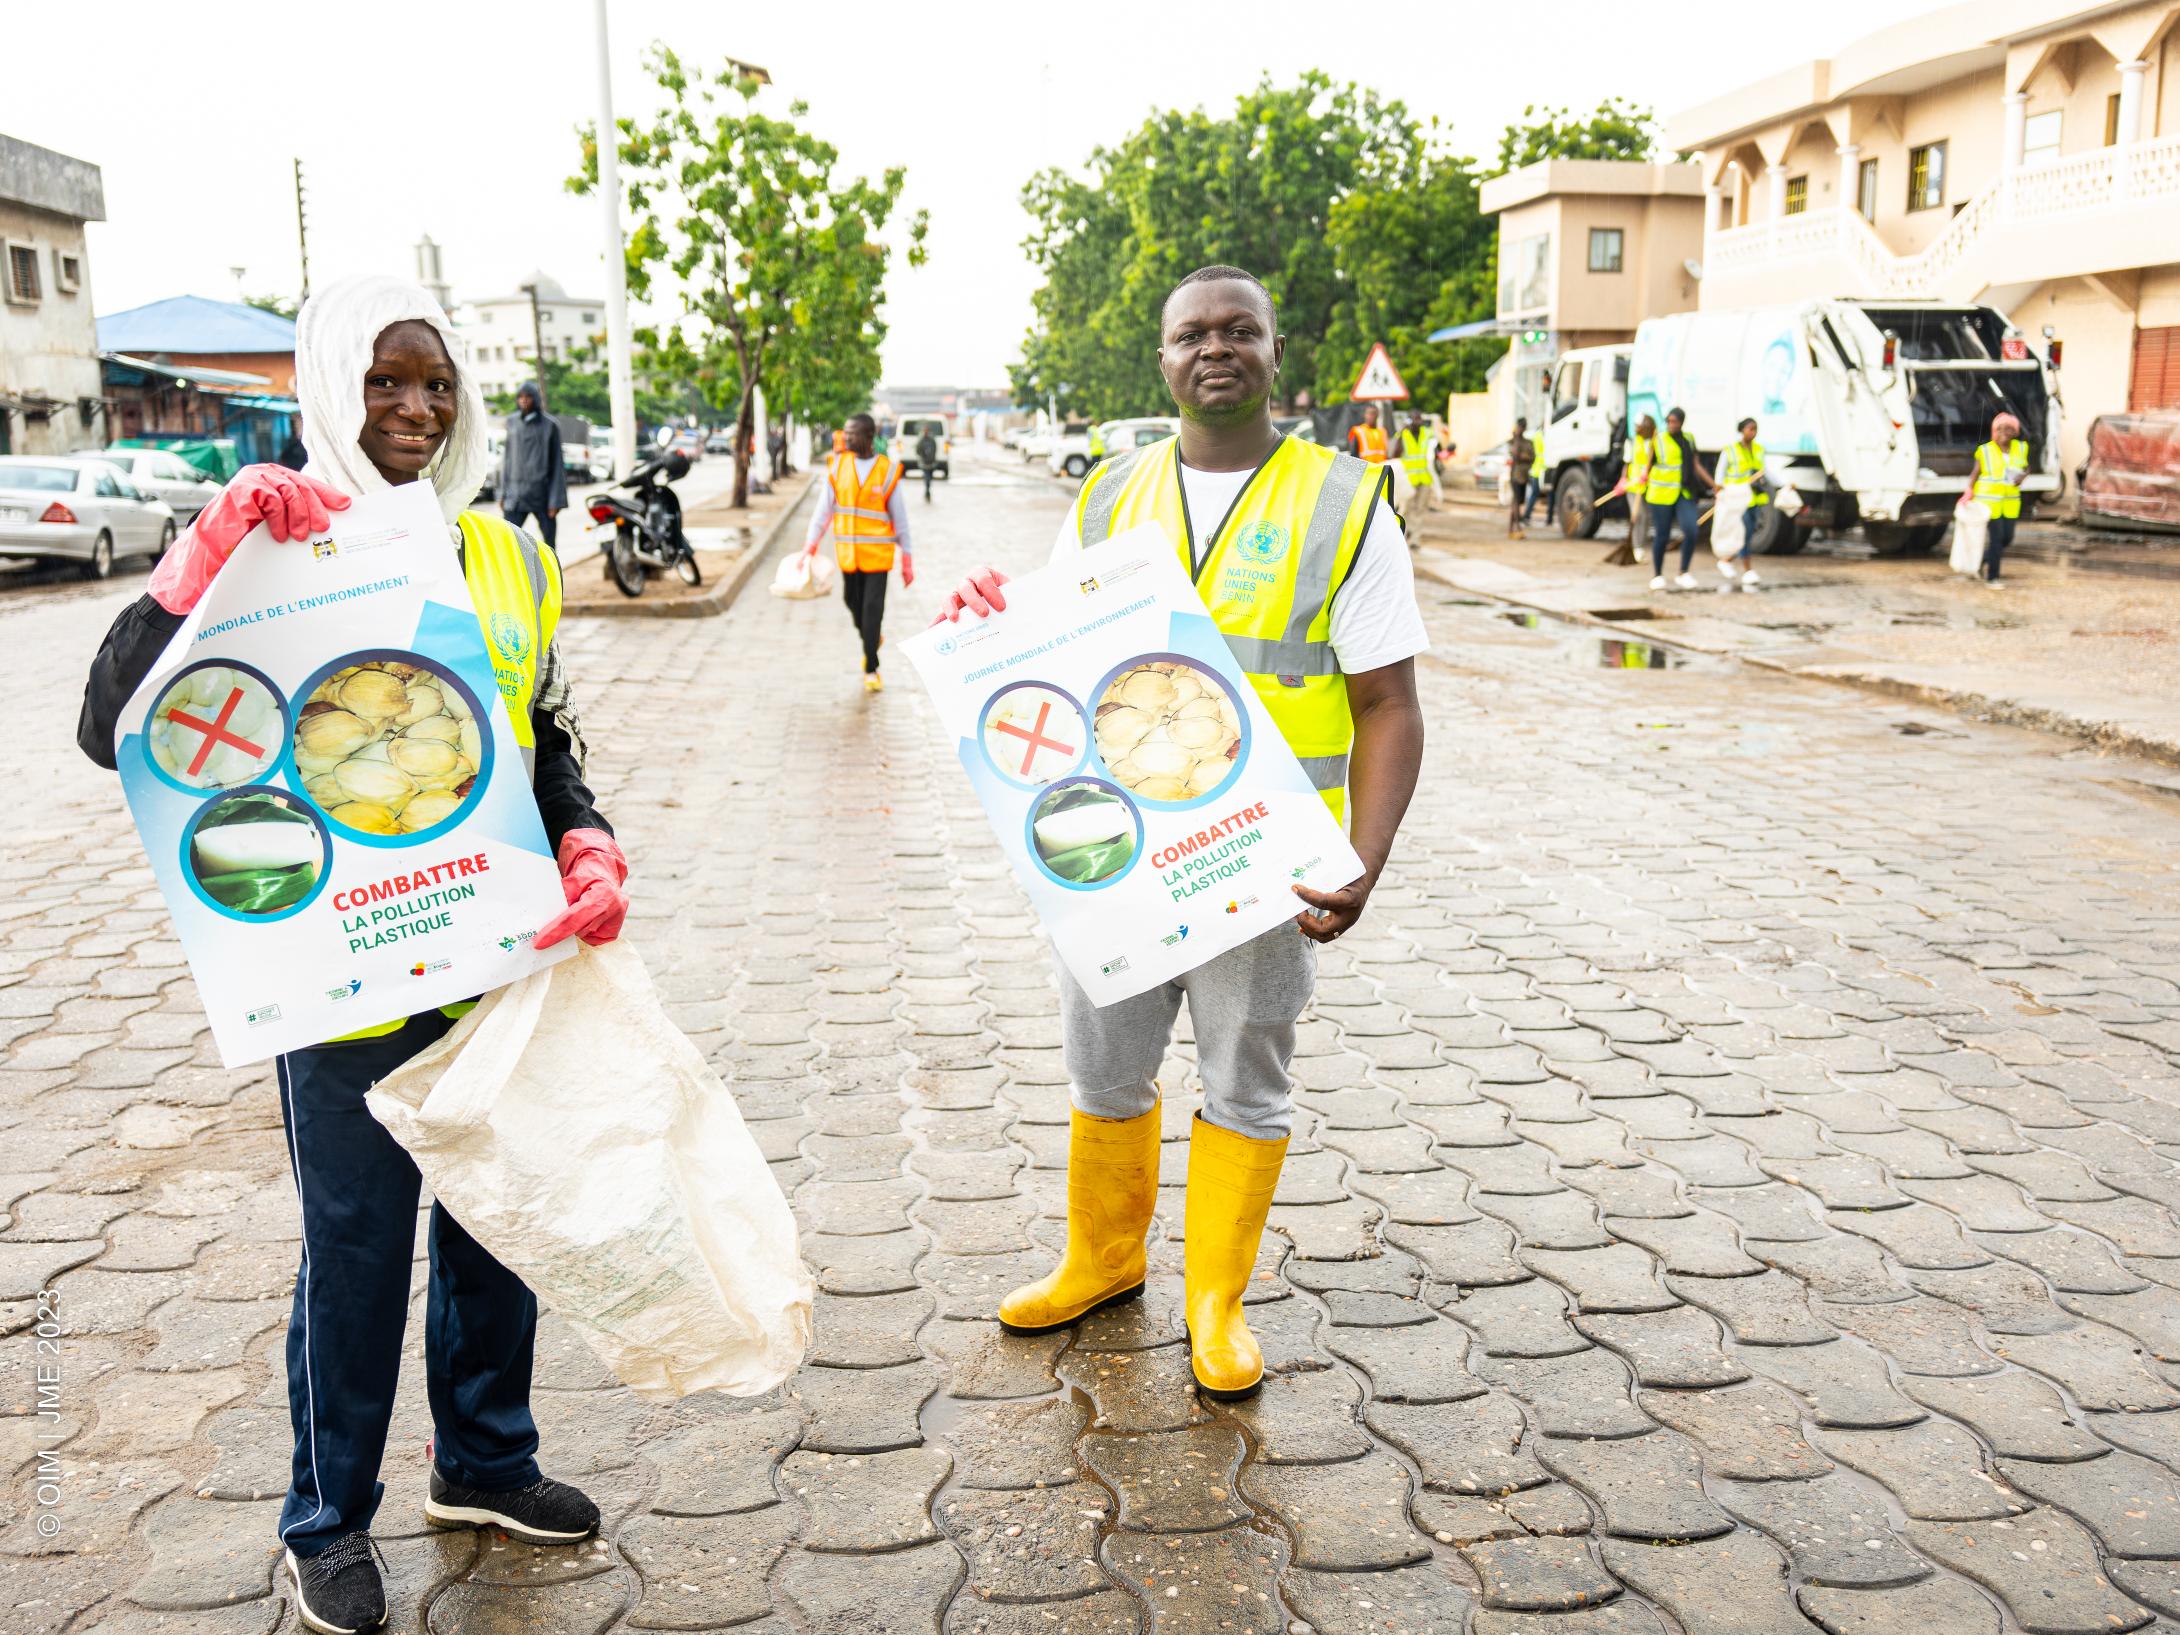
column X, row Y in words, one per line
column 1220, row 273
column 866, row 419
column 1677, row 413
column 1744, row 422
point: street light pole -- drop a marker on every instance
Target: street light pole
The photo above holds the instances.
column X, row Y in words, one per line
column 620, row 377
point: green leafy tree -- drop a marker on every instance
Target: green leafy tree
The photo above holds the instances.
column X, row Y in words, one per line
column 1618, row 129
column 742, row 215
column 1415, row 254
column 1255, row 188
column 282, row 305
column 579, row 385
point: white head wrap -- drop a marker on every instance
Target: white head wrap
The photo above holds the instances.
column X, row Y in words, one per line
column 334, row 338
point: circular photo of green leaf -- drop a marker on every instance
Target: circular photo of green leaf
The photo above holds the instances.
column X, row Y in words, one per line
column 1085, row 833
column 257, row 854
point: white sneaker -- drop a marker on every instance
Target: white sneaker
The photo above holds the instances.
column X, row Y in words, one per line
column 1749, row 585
column 1728, row 569
column 1749, row 578
column 1686, row 581
column 1658, row 583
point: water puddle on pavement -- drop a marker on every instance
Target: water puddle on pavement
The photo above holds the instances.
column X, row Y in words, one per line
column 1594, row 649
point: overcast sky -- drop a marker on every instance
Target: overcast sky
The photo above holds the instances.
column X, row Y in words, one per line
column 457, row 120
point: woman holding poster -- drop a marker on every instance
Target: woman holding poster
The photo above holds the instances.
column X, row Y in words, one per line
column 1301, row 563
column 386, row 402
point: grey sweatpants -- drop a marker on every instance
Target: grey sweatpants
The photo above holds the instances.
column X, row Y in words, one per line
column 1243, row 1007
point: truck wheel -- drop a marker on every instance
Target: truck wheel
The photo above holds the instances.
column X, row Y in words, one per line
column 1927, row 537
column 1897, row 538
column 1078, row 465
column 1775, row 534
column 1574, row 503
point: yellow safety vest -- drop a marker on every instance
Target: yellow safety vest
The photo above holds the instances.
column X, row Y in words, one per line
column 862, row 527
column 1536, row 464
column 1744, row 464
column 515, row 584
column 1267, row 573
column 2003, row 497
column 1663, row 488
column 1415, row 457
column 1097, row 442
column 1640, row 451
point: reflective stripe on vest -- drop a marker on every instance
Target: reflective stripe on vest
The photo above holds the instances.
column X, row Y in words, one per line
column 1640, row 451
column 1372, row 442
column 514, row 584
column 2003, row 497
column 863, row 539
column 1415, row 457
column 1303, row 514
column 1744, row 464
column 1664, row 485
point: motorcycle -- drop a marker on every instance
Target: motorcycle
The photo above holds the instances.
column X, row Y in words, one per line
column 646, row 524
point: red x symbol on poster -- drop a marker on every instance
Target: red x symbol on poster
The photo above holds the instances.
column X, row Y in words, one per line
column 1034, row 739
column 215, row 732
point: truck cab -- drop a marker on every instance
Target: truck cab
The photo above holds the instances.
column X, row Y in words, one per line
column 1584, row 436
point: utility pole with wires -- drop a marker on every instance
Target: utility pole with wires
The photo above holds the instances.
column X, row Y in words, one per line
column 537, row 335
column 302, row 230
column 620, row 371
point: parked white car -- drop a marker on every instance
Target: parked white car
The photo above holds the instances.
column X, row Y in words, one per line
column 162, row 476
column 78, row 509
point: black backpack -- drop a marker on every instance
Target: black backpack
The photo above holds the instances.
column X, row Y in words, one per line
column 927, row 448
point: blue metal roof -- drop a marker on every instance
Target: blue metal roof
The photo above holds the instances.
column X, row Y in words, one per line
column 190, row 323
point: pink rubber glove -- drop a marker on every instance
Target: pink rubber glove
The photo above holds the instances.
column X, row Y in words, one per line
column 978, row 594
column 292, row 505
column 592, row 869
column 908, row 570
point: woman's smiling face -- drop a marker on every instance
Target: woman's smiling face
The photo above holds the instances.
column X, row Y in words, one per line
column 408, row 400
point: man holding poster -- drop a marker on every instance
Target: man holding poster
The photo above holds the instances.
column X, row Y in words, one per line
column 342, row 777
column 1300, row 560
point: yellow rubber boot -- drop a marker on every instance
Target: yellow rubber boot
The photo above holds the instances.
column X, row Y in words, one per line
column 1231, row 1179
column 1112, row 1191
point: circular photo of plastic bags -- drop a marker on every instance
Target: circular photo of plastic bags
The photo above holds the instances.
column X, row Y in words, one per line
column 216, row 726
column 1168, row 731
column 1085, row 833
column 388, row 747
column 1033, row 734
column 257, row 854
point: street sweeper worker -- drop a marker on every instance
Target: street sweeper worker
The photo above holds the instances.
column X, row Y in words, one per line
column 1301, row 561
column 387, row 400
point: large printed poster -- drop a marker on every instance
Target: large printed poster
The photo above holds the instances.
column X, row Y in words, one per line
column 326, row 782
column 1147, row 801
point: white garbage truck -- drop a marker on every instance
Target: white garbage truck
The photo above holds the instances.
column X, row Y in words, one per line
column 1871, row 410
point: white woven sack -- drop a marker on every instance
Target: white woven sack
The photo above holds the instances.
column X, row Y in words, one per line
column 1971, row 527
column 1729, row 521
column 803, row 577
column 580, row 1137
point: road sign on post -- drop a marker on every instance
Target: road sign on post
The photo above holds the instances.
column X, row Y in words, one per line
column 1379, row 381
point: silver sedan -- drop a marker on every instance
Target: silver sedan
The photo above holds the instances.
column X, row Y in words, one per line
column 80, row 510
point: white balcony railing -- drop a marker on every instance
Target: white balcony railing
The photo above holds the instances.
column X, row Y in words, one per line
column 2051, row 192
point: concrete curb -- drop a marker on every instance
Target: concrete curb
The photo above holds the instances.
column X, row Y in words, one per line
column 2002, row 712
column 714, row 601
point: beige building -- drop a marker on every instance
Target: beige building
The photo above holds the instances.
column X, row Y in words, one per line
column 2018, row 153
column 504, row 334
column 50, row 392
column 1588, row 248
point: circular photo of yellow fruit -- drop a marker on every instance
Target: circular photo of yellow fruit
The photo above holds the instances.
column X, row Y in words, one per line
column 216, row 726
column 390, row 749
column 1169, row 731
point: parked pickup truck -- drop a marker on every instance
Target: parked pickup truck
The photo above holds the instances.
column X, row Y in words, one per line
column 1871, row 409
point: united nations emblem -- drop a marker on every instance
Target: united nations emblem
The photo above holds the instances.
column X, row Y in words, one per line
column 1262, row 542
column 510, row 638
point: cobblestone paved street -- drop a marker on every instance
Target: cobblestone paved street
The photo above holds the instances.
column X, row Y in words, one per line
column 1737, row 1187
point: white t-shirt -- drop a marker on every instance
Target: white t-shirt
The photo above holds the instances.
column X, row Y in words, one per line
column 1375, row 620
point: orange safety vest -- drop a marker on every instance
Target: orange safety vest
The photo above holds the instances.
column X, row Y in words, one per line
column 840, row 442
column 862, row 530
column 1369, row 442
